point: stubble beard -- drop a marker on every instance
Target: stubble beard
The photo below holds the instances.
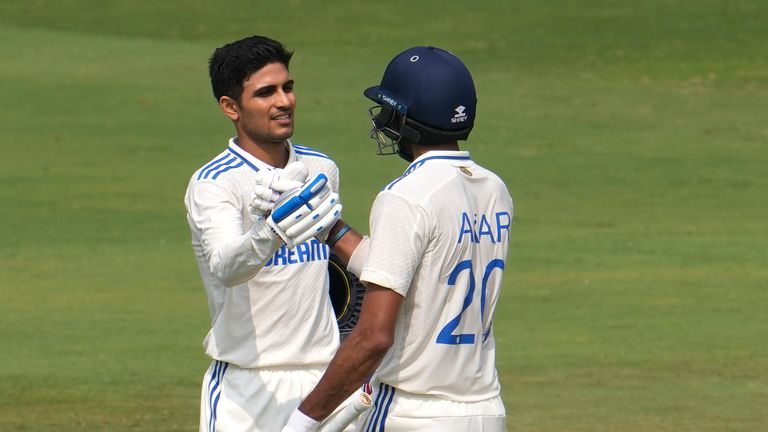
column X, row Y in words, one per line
column 270, row 138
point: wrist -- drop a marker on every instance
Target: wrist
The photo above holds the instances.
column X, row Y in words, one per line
column 334, row 237
column 265, row 238
column 300, row 422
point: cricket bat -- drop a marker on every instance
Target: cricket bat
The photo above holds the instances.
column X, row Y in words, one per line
column 348, row 414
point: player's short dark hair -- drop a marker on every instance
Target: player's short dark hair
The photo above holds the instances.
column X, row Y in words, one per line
column 231, row 64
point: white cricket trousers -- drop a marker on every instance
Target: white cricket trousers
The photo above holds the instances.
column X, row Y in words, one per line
column 252, row 400
column 396, row 411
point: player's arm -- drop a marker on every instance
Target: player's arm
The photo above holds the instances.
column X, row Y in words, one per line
column 397, row 228
column 233, row 256
column 343, row 240
column 358, row 356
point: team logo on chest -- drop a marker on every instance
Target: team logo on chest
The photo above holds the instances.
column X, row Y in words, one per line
column 311, row 250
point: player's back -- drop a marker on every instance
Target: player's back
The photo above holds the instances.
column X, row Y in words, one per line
column 444, row 341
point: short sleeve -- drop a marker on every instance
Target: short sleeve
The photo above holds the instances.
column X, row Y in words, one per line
column 399, row 232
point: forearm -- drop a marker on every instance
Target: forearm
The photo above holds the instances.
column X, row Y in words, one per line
column 344, row 246
column 360, row 353
column 353, row 364
column 232, row 252
column 238, row 259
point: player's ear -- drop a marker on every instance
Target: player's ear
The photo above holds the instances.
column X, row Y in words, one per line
column 230, row 107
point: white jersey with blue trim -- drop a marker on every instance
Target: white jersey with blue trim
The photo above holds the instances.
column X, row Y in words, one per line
column 271, row 315
column 439, row 237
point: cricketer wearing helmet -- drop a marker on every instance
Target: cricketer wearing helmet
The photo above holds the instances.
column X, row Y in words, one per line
column 433, row 265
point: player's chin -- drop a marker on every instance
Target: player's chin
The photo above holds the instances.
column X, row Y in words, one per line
column 284, row 132
column 285, row 129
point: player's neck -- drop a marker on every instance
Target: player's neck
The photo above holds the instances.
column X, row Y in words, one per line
column 273, row 154
column 419, row 150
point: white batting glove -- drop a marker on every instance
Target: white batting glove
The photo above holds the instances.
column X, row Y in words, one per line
column 300, row 422
column 306, row 212
column 266, row 191
column 271, row 183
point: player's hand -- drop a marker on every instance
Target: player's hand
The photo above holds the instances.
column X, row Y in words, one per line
column 271, row 183
column 305, row 212
column 299, row 422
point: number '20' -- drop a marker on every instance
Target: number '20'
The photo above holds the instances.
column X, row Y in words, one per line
column 446, row 335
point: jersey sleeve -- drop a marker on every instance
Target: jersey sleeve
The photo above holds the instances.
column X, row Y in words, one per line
column 216, row 215
column 399, row 233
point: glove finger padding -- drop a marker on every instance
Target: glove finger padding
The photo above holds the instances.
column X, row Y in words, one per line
column 322, row 224
column 289, row 203
column 263, row 200
column 318, row 199
column 296, row 171
column 291, row 177
column 270, row 183
column 294, row 175
column 306, row 212
column 305, row 219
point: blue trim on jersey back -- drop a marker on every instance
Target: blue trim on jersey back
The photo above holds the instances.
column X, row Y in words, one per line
column 418, row 164
column 308, row 151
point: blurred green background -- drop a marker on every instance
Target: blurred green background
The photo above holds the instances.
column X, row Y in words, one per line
column 632, row 135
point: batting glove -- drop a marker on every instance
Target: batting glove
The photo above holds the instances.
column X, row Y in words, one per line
column 306, row 212
column 271, row 183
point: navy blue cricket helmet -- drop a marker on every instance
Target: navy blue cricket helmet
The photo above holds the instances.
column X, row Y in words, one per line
column 426, row 96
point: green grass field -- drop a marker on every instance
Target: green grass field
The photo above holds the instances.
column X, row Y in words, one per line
column 632, row 135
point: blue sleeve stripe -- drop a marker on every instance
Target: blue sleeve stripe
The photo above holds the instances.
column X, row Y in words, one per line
column 223, row 170
column 205, row 174
column 210, row 164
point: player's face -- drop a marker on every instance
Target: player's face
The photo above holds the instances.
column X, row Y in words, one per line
column 267, row 105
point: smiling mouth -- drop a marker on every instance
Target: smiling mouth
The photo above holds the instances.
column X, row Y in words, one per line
column 282, row 117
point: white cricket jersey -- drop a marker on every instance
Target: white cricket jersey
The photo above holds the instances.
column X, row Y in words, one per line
column 281, row 314
column 439, row 237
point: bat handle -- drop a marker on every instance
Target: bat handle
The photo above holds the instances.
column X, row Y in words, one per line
column 348, row 414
